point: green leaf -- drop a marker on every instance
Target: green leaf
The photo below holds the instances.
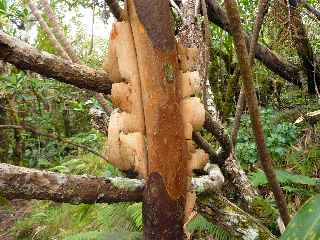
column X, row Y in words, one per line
column 306, row 223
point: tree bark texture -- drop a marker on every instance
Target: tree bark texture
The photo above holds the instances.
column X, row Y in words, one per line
column 245, row 68
column 25, row 57
column 25, row 183
column 285, row 70
column 263, row 7
column 165, row 193
column 230, row 217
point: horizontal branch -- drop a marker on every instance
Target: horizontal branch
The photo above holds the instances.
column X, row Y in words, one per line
column 26, row 183
column 26, row 57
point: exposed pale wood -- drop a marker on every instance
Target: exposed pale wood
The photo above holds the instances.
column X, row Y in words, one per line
column 309, row 117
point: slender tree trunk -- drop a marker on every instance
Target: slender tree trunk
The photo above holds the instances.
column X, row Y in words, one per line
column 262, row 10
column 165, row 193
column 4, row 141
column 266, row 162
column 285, row 70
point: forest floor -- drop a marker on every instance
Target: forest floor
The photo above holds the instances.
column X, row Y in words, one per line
column 9, row 214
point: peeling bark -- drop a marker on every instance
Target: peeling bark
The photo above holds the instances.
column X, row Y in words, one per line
column 25, row 57
column 25, row 183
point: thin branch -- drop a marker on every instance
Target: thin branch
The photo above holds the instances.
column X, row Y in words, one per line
column 58, row 32
column 262, row 11
column 311, row 9
column 284, row 69
column 266, row 162
column 52, row 136
column 45, row 27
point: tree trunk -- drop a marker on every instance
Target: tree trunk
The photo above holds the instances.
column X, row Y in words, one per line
column 165, row 193
column 4, row 141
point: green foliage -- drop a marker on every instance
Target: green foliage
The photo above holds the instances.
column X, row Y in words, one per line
column 278, row 138
column 258, row 178
column 96, row 221
column 202, row 227
column 94, row 235
column 305, row 225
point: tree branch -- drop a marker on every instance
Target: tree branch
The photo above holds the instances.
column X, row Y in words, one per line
column 24, row 183
column 263, row 7
column 311, row 9
column 25, row 57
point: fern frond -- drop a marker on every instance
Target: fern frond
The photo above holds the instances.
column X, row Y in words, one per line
column 202, row 225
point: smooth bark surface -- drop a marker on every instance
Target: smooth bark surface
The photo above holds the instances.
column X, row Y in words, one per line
column 25, row 57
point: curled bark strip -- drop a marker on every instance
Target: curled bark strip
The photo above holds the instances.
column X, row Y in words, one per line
column 25, row 57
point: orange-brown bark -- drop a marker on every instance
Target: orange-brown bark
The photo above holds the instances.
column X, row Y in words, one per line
column 167, row 151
